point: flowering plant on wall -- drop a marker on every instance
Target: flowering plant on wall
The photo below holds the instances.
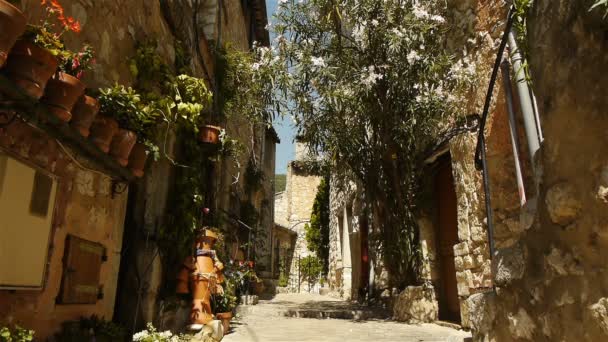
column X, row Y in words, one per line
column 77, row 63
column 48, row 34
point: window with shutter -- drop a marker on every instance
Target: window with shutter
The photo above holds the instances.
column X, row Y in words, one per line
column 81, row 266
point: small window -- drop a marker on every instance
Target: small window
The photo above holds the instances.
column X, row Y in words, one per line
column 81, row 266
column 27, row 202
column 41, row 194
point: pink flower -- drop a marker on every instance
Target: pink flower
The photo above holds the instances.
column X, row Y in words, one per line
column 75, row 63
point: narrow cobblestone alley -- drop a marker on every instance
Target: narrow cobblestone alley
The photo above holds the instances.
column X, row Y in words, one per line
column 286, row 318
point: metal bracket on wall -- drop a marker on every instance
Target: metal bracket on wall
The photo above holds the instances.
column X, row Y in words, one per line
column 118, row 187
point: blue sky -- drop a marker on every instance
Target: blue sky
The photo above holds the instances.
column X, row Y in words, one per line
column 284, row 127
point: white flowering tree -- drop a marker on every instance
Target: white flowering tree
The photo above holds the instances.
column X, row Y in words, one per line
column 368, row 83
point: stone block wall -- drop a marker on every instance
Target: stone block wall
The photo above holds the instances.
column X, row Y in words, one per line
column 553, row 278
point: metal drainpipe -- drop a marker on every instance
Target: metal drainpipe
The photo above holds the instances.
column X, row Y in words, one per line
column 506, row 79
column 527, row 107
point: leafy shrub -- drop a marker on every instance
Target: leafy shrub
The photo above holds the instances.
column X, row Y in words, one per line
column 17, row 334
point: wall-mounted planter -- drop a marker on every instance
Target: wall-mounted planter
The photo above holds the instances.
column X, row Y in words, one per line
column 122, row 144
column 209, row 134
column 84, row 114
column 30, row 67
column 12, row 25
column 61, row 94
column 102, row 131
column 137, row 160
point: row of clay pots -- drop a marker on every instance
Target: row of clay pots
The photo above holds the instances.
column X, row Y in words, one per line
column 34, row 70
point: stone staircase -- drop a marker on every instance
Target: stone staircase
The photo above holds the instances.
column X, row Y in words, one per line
column 312, row 306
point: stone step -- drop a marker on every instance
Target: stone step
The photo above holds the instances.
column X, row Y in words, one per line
column 277, row 311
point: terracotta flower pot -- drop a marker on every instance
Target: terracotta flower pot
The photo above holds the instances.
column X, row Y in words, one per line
column 30, row 67
column 122, row 144
column 209, row 134
column 12, row 25
column 61, row 94
column 102, row 131
column 182, row 281
column 225, row 317
column 83, row 114
column 137, row 160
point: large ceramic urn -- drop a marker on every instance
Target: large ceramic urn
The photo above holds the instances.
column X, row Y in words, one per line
column 203, row 279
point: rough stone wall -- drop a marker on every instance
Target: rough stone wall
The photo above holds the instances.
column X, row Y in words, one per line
column 344, row 239
column 280, row 209
column 86, row 208
column 293, row 208
column 551, row 284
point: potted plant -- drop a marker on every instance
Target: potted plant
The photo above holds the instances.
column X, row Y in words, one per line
column 12, row 25
column 64, row 88
column 36, row 55
column 210, row 134
column 225, row 303
column 145, row 145
column 84, row 114
column 123, row 105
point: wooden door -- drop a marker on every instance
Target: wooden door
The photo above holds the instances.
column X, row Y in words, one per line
column 449, row 304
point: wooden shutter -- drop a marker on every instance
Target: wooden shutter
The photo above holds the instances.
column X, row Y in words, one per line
column 81, row 266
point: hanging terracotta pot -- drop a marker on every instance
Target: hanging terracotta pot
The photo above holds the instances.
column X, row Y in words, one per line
column 122, row 144
column 225, row 317
column 209, row 134
column 83, row 114
column 137, row 159
column 102, row 131
column 12, row 25
column 30, row 67
column 61, row 94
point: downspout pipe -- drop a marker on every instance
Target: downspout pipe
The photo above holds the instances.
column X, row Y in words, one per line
column 506, row 79
column 526, row 97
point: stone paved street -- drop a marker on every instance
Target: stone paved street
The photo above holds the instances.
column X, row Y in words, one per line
column 266, row 322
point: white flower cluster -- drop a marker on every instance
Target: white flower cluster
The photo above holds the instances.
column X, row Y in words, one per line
column 151, row 335
column 421, row 13
column 369, row 76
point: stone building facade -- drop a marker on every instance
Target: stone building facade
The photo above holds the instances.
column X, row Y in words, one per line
column 293, row 208
column 546, row 280
column 124, row 220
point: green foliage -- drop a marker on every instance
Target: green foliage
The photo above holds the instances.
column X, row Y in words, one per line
column 43, row 37
column 311, row 269
column 310, row 166
column 600, row 3
column 76, row 63
column 91, row 328
column 370, row 82
column 148, row 67
column 283, row 279
column 16, row 334
column 245, row 89
column 227, row 301
column 126, row 106
column 317, row 232
column 280, row 182
column 520, row 25
column 254, row 176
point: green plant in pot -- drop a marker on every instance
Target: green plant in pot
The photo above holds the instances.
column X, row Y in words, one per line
column 35, row 57
column 65, row 88
column 16, row 334
column 223, row 305
column 189, row 99
column 124, row 106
